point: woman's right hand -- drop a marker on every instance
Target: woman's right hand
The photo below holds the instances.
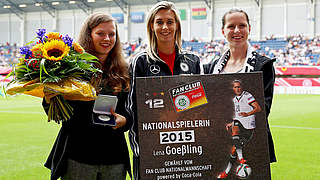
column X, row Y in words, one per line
column 120, row 120
column 228, row 126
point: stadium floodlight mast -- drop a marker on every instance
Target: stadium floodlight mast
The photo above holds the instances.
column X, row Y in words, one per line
column 22, row 5
column 14, row 8
column 55, row 3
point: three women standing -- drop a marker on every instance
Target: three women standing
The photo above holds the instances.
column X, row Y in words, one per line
column 84, row 150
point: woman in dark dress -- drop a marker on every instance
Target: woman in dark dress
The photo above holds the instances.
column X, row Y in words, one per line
column 84, row 149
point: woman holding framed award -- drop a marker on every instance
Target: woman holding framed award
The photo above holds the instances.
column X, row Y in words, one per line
column 240, row 58
column 164, row 57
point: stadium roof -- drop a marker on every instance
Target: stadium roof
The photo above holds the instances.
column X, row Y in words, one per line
column 19, row 7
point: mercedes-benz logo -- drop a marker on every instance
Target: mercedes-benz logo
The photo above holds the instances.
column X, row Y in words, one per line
column 184, row 67
column 155, row 69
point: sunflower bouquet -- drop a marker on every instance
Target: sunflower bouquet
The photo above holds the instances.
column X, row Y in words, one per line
column 54, row 64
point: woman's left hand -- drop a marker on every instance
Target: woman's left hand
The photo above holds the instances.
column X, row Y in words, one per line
column 120, row 120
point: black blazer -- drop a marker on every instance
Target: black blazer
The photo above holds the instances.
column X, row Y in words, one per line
column 81, row 140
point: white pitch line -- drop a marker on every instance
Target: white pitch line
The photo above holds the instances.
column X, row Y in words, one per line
column 15, row 107
column 22, row 112
column 294, row 127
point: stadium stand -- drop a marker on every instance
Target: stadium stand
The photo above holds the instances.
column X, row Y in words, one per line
column 290, row 52
column 297, row 58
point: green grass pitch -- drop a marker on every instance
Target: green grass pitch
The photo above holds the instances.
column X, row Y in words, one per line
column 26, row 138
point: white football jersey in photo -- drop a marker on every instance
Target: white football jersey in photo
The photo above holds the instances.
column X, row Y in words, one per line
column 242, row 104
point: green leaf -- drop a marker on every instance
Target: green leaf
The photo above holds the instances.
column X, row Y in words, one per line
column 43, row 67
column 31, row 42
column 53, row 79
column 10, row 74
column 87, row 56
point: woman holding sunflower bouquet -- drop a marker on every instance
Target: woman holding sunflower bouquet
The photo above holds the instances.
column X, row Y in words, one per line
column 57, row 64
column 83, row 149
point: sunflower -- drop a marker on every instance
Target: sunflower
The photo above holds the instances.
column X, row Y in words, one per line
column 53, row 36
column 36, row 49
column 55, row 50
column 77, row 47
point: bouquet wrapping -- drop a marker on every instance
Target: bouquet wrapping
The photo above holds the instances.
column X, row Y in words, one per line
column 55, row 64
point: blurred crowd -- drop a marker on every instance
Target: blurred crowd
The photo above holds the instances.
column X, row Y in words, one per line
column 9, row 54
column 300, row 50
column 297, row 50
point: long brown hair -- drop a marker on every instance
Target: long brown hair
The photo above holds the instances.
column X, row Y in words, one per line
column 114, row 67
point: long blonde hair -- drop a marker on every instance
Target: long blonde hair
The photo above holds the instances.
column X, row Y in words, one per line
column 152, row 49
column 115, row 66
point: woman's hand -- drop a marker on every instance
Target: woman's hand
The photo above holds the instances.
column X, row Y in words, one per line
column 228, row 126
column 120, row 120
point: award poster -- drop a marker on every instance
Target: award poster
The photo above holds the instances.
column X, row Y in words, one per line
column 183, row 127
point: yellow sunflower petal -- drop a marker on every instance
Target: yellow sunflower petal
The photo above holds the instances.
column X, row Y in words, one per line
column 53, row 36
column 77, row 47
column 36, row 49
column 55, row 50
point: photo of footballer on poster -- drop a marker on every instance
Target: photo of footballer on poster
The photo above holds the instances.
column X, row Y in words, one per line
column 202, row 127
column 242, row 129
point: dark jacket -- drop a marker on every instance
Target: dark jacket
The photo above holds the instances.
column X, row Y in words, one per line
column 143, row 66
column 265, row 65
column 81, row 140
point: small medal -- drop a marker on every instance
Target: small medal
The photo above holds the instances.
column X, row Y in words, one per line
column 104, row 118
